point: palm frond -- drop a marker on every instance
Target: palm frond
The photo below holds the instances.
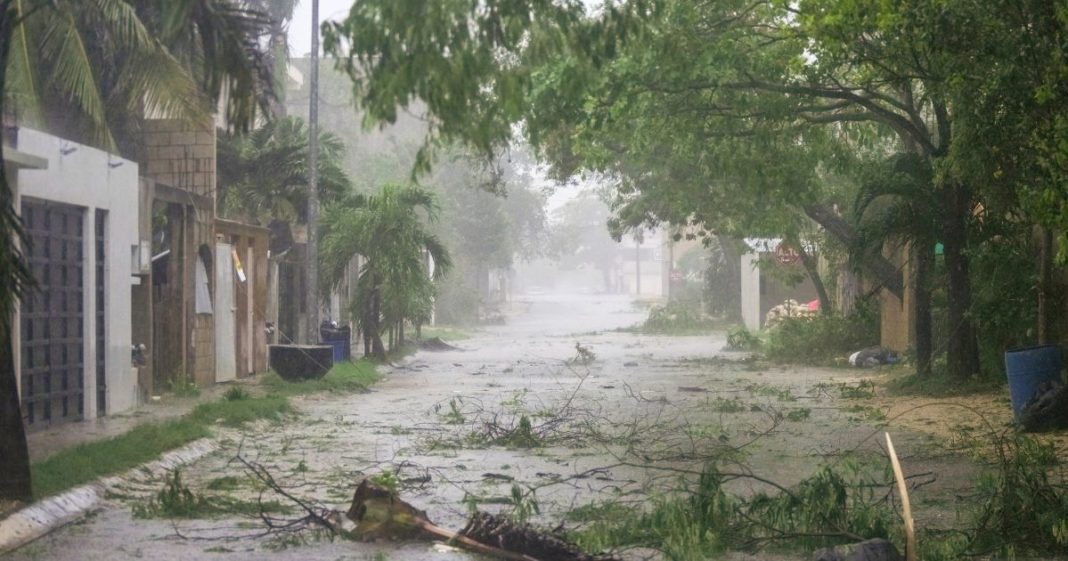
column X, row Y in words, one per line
column 224, row 39
column 22, row 76
column 71, row 71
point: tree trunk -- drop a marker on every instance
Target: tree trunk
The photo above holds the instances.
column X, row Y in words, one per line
column 812, row 268
column 378, row 350
column 1045, row 286
column 923, row 257
column 400, row 333
column 875, row 265
column 731, row 295
column 14, row 454
column 963, row 351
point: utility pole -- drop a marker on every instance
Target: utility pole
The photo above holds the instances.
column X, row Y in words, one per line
column 637, row 267
column 312, row 293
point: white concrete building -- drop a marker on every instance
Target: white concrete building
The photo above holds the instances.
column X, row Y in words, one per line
column 80, row 212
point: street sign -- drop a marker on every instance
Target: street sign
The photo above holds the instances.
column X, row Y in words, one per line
column 786, row 255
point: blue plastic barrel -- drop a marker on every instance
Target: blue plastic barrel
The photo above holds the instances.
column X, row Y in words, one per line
column 339, row 350
column 1028, row 368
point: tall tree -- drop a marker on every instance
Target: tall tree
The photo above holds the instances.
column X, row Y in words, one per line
column 14, row 276
column 280, row 13
column 740, row 77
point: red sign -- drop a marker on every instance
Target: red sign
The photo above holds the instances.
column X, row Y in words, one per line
column 676, row 274
column 786, row 255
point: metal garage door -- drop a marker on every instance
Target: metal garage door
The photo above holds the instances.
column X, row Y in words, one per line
column 53, row 345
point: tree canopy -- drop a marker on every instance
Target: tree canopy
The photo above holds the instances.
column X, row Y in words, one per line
column 743, row 117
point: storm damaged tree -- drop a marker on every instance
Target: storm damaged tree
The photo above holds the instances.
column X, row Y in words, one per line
column 90, row 69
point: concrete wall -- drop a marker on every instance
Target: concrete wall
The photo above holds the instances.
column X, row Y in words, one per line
column 94, row 179
column 761, row 292
column 895, row 314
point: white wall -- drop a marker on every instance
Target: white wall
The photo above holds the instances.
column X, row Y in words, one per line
column 750, row 285
column 94, row 179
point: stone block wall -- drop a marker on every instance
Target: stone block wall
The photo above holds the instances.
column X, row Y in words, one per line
column 181, row 155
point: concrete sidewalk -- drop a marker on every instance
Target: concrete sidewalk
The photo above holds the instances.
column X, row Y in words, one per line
column 44, row 443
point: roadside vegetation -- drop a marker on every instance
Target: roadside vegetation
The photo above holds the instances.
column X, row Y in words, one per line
column 677, row 318
column 445, row 333
column 1017, row 510
column 83, row 463
column 822, row 340
column 347, row 376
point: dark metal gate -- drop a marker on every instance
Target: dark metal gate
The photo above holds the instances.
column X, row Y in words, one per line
column 52, row 314
column 99, row 243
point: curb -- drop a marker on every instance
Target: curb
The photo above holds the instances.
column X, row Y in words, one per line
column 41, row 518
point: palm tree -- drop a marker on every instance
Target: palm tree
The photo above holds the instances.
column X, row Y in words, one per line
column 263, row 175
column 394, row 286
column 90, row 70
column 896, row 205
column 94, row 67
column 280, row 13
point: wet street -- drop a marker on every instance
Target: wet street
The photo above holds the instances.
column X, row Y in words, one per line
column 557, row 405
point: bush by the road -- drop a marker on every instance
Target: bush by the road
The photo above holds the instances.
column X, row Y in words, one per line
column 820, row 340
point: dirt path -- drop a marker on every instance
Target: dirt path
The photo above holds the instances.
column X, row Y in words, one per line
column 622, row 427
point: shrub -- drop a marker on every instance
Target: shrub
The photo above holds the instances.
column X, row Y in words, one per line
column 741, row 339
column 235, row 394
column 676, row 317
column 820, row 340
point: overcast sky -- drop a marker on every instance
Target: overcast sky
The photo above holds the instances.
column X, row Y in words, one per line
column 300, row 45
column 300, row 27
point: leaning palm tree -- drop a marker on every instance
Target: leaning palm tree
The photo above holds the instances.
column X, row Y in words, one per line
column 93, row 67
column 263, row 175
column 280, row 13
column 394, row 286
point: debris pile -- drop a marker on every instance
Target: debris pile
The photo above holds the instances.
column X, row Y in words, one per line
column 378, row 513
column 500, row 532
column 872, row 357
column 788, row 309
column 1047, row 410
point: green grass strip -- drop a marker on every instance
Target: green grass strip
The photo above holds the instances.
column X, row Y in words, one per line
column 237, row 413
column 445, row 333
column 84, row 463
column 344, row 377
